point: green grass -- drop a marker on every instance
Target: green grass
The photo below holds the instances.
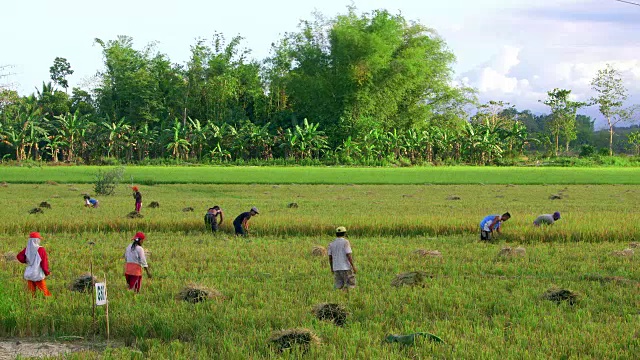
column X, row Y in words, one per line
column 483, row 306
column 329, row 175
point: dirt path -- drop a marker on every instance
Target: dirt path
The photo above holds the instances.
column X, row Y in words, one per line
column 10, row 349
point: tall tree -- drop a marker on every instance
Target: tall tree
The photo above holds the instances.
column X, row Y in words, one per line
column 563, row 116
column 59, row 72
column 610, row 98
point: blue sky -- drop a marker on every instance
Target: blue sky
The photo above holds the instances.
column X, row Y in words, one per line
column 509, row 50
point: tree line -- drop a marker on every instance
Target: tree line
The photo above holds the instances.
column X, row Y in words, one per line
column 369, row 88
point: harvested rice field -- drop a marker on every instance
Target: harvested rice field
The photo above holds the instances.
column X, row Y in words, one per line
column 571, row 290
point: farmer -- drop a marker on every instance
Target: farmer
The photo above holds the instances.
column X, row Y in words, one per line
column 341, row 261
column 89, row 202
column 135, row 262
column 138, row 197
column 35, row 256
column 241, row 223
column 491, row 223
column 547, row 219
column 210, row 218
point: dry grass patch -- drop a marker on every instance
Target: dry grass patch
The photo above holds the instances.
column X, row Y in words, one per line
column 428, row 253
column 634, row 245
column 51, row 182
column 83, row 283
column 10, row 256
column 559, row 295
column 413, row 278
column 318, row 251
column 623, row 253
column 608, row 279
column 194, row 294
column 287, row 339
column 508, row 252
column 331, row 312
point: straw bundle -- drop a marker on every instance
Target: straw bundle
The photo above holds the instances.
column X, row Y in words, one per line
column 409, row 279
column 134, row 215
column 154, row 204
column 430, row 253
column 83, row 283
column 287, row 339
column 623, row 253
column 560, row 295
column 44, row 205
column 318, row 251
column 36, row 211
column 193, row 294
column 331, row 312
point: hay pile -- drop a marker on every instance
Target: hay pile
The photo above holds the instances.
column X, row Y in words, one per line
column 36, row 211
column 507, row 251
column 560, row 295
column 287, row 339
column 194, row 294
column 154, row 204
column 430, row 253
column 555, row 197
column 454, row 197
column 4, row 184
column 318, row 251
column 44, row 205
column 634, row 245
column 83, row 283
column 293, row 205
column 134, row 215
column 409, row 279
column 331, row 312
column 51, row 182
column 10, row 256
column 188, row 209
column 623, row 253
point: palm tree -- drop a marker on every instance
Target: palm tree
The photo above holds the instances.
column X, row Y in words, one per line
column 116, row 133
column 70, row 126
column 178, row 145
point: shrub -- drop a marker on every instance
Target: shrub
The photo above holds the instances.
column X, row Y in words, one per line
column 106, row 181
column 587, row 150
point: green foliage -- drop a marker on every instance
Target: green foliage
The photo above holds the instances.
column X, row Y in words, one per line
column 587, row 150
column 106, row 181
column 59, row 72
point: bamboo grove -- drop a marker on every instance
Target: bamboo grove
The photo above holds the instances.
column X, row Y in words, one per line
column 368, row 89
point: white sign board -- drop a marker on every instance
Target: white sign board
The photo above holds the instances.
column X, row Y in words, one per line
column 101, row 294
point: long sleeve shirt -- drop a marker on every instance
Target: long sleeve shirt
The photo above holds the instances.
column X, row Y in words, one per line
column 44, row 262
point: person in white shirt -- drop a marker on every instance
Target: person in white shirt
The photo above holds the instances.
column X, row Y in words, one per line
column 135, row 261
column 341, row 261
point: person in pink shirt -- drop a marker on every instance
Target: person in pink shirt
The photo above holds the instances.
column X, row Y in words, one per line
column 35, row 256
column 135, row 261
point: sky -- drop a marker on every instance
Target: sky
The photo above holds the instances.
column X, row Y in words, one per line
column 509, row 50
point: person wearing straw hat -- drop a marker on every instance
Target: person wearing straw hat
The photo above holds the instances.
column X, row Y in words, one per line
column 547, row 219
column 241, row 223
column 35, row 256
column 135, row 261
column 138, row 196
column 341, row 261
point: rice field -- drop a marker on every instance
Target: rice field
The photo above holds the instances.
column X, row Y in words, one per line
column 483, row 302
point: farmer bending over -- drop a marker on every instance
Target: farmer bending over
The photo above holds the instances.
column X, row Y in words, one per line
column 135, row 262
column 492, row 223
column 341, row 261
column 89, row 202
column 35, row 256
column 210, row 218
column 547, row 219
column 241, row 223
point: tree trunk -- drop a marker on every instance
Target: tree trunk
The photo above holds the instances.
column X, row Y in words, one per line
column 610, row 140
column 557, row 137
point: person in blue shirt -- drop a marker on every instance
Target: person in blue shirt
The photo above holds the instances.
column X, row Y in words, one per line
column 492, row 223
column 241, row 223
column 89, row 202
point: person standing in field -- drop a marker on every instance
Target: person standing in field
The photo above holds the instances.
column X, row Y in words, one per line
column 35, row 256
column 241, row 223
column 135, row 261
column 341, row 261
column 211, row 218
column 138, row 196
column 89, row 202
column 490, row 224
column 547, row 219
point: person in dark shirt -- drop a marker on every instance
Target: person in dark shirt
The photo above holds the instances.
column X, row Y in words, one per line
column 138, row 197
column 241, row 223
column 210, row 218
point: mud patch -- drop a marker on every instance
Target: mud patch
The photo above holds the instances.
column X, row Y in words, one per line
column 11, row 349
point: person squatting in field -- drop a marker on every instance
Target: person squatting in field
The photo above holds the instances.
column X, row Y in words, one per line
column 135, row 261
column 241, row 223
column 547, row 219
column 138, row 196
column 35, row 256
column 210, row 218
column 89, row 202
column 341, row 261
column 492, row 223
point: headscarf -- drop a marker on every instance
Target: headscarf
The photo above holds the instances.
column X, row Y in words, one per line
column 32, row 250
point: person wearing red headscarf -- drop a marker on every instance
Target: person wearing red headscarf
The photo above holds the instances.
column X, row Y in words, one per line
column 35, row 256
column 135, row 261
column 138, row 196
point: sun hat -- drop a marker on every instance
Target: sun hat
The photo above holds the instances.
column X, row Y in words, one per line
column 255, row 210
column 139, row 235
column 35, row 235
column 341, row 229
